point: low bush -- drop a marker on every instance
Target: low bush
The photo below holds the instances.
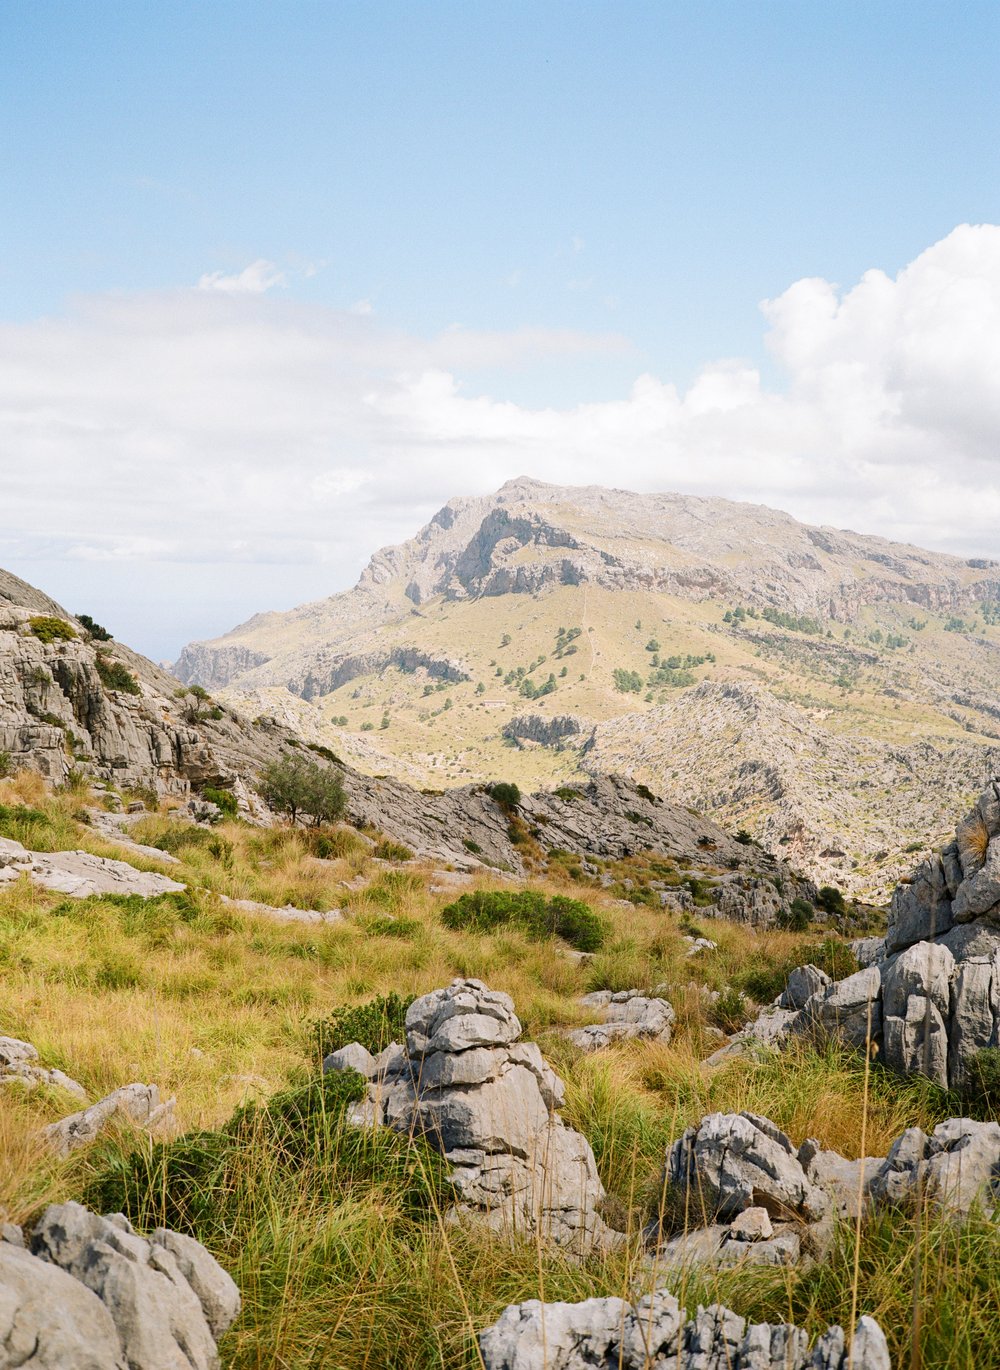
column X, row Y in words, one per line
column 981, row 1092
column 797, row 916
column 489, row 910
column 48, row 629
column 387, row 850
column 115, row 675
column 222, row 799
column 507, row 795
column 375, row 1025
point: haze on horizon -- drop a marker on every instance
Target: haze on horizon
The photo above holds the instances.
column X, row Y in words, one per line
column 280, row 281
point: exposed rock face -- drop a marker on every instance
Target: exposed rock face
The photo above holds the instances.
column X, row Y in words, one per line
column 79, row 873
column 723, row 1179
column 136, row 1105
column 929, row 999
column 656, row 1334
column 628, row 1015
column 488, row 1102
column 88, row 1293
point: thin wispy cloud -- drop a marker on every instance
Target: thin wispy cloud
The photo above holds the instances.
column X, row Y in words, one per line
column 255, row 279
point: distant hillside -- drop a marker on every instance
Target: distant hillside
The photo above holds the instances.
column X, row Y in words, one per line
column 874, row 666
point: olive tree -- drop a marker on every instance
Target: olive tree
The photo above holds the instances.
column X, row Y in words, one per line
column 294, row 786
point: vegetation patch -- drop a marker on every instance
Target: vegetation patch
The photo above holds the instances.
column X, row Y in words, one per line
column 48, row 629
column 115, row 675
column 559, row 916
column 376, row 1025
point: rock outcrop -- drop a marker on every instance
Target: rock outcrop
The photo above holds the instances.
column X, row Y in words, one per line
column 656, row 1334
column 628, row 1015
column 20, row 1067
column 739, row 1192
column 80, row 874
column 133, row 1105
column 82, row 1292
column 929, row 998
column 488, row 1102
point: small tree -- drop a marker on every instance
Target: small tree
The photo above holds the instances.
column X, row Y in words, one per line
column 294, row 786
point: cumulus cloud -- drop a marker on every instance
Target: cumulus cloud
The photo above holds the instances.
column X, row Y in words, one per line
column 254, row 279
column 220, row 428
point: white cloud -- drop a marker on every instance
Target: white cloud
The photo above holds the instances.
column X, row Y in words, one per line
column 222, row 429
column 254, row 279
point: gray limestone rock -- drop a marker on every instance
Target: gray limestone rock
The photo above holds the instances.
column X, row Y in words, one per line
column 50, row 1321
column 628, row 1015
column 136, row 1105
column 979, row 892
column 19, row 1066
column 957, row 1167
column 352, row 1057
column 803, row 983
column 848, row 1010
column 165, row 1297
column 657, row 1334
column 975, row 1013
column 734, row 1161
column 921, row 908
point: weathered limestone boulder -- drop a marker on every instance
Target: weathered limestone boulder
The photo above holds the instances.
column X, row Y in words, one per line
column 19, row 1067
column 132, row 1105
column 488, row 1102
column 88, row 1293
column 656, row 1334
column 920, row 907
column 50, row 1321
column 803, row 983
column 847, row 1010
column 956, row 1167
column 932, row 986
column 734, row 1161
column 916, row 1001
column 628, row 1015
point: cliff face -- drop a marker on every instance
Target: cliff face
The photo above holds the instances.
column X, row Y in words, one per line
column 70, row 700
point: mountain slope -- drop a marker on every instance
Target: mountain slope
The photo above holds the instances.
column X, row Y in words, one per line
column 454, row 654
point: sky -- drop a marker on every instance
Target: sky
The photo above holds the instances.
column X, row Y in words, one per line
column 278, row 280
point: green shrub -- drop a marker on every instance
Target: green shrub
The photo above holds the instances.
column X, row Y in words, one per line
column 294, row 785
column 507, row 795
column 6, row 765
column 115, row 675
column 186, row 836
column 833, row 956
column 743, row 837
column 387, row 850
column 730, row 1009
column 830, row 900
column 471, row 846
column 797, row 916
column 209, row 1184
column 48, row 629
column 488, row 910
column 223, row 799
column 375, row 1025
column 22, row 823
column 94, row 630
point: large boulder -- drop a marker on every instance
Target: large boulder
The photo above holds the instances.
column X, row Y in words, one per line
column 89, row 1293
column 916, row 1002
column 957, row 1167
column 656, row 1334
column 488, row 1102
column 734, row 1161
column 847, row 1010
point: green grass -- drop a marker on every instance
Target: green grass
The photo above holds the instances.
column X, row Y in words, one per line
column 338, row 1238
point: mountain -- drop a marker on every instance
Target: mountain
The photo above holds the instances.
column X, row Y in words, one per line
column 818, row 686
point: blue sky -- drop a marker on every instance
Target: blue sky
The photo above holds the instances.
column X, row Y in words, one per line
column 638, row 176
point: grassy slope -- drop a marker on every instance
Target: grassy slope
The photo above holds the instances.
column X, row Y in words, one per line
column 338, row 1244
